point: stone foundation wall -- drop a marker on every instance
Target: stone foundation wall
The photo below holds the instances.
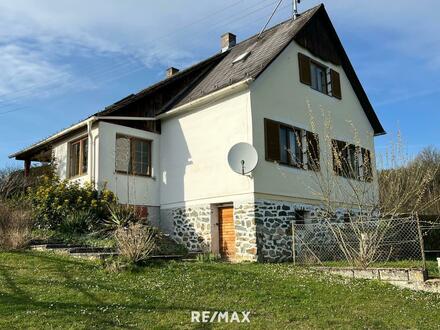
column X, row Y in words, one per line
column 274, row 228
column 245, row 231
column 263, row 228
column 192, row 227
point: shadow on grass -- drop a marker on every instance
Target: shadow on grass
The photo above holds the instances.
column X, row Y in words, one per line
column 15, row 299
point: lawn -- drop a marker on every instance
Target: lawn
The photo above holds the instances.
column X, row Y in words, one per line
column 45, row 291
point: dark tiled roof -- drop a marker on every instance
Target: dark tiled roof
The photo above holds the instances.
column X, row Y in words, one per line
column 262, row 50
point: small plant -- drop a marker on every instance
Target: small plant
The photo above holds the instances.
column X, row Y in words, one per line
column 168, row 246
column 79, row 222
column 120, row 216
column 15, row 227
column 207, row 257
column 135, row 242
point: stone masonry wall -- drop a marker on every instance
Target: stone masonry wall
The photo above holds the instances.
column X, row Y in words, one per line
column 245, row 231
column 274, row 228
column 192, row 227
column 263, row 228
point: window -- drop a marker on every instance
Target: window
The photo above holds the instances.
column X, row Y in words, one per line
column 78, row 157
column 351, row 161
column 291, row 146
column 319, row 77
column 133, row 155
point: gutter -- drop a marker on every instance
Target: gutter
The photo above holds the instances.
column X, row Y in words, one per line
column 234, row 88
column 55, row 136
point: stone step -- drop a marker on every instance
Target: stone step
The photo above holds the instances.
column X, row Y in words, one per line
column 167, row 257
column 53, row 247
column 89, row 249
column 44, row 241
column 93, row 255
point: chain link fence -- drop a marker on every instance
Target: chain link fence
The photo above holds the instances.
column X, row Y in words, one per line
column 358, row 243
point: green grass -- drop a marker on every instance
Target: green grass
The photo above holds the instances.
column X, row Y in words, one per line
column 46, row 291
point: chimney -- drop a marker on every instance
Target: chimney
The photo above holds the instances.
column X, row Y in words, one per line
column 228, row 40
column 171, row 72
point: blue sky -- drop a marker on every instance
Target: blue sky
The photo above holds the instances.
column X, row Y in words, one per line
column 61, row 61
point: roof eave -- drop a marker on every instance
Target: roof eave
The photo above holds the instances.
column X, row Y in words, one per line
column 52, row 138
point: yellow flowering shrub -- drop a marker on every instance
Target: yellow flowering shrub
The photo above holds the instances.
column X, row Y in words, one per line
column 54, row 200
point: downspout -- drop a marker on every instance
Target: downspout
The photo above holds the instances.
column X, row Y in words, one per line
column 91, row 153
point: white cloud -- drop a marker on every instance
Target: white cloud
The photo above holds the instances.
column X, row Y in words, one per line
column 36, row 35
column 23, row 69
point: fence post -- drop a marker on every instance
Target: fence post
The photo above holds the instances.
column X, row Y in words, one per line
column 422, row 245
column 293, row 244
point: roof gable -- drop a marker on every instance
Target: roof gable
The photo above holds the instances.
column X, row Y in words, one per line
column 320, row 38
column 313, row 30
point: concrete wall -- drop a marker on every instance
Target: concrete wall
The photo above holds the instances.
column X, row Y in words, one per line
column 194, row 148
column 279, row 95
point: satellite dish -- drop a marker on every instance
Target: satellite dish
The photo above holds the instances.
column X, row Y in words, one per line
column 242, row 158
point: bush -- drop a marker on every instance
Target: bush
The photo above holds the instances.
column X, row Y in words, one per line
column 15, row 227
column 54, row 200
column 135, row 242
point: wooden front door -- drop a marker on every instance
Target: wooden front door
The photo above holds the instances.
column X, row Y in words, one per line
column 227, row 233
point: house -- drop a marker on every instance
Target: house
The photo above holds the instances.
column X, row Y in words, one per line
column 165, row 148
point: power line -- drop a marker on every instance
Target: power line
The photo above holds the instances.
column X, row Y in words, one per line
column 126, row 73
column 114, row 66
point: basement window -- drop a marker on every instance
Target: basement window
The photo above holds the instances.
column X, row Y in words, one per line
column 78, row 157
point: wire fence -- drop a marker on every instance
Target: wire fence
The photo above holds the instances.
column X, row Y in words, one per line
column 358, row 243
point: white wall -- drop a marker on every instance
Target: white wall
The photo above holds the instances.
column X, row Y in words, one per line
column 278, row 94
column 194, row 148
column 136, row 190
column 61, row 152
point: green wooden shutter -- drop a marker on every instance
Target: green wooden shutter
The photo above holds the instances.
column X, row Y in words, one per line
column 272, row 139
column 336, row 84
column 305, row 75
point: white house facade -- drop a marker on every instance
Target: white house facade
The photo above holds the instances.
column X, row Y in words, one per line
column 165, row 148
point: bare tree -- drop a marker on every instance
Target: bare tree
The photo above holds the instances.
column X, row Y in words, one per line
column 363, row 208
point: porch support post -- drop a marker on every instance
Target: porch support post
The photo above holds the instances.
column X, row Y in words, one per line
column 27, row 167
